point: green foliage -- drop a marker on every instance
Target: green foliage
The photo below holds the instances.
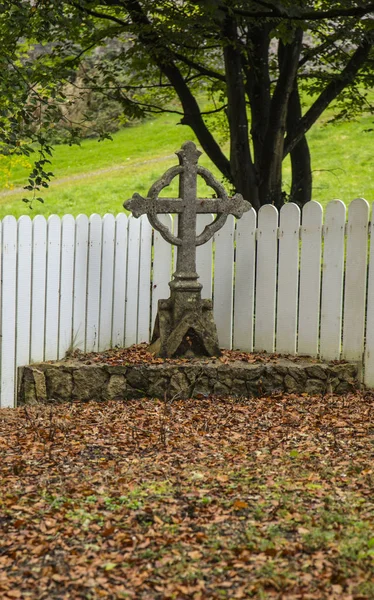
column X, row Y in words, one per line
column 77, row 69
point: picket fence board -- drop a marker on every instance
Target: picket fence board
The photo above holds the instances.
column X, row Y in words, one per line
column 132, row 296
column 52, row 303
column 332, row 280
column 93, row 283
column 38, row 279
column 23, row 291
column 80, row 282
column 175, row 219
column 8, row 310
column 266, row 270
column 162, row 267
column 224, row 282
column 288, row 278
column 120, row 278
column 204, row 257
column 310, row 279
column 107, row 274
column 355, row 280
column 245, row 261
column 67, row 284
column 369, row 347
column 145, row 261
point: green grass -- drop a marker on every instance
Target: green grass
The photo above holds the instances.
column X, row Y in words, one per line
column 100, row 176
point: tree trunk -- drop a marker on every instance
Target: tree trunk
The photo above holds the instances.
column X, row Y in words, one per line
column 272, row 155
column 241, row 163
column 257, row 84
column 301, row 187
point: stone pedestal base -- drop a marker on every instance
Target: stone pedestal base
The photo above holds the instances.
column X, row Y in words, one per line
column 194, row 334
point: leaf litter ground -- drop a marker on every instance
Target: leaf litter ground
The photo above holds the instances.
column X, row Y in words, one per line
column 201, row 499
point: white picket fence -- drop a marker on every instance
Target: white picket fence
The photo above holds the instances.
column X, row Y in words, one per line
column 284, row 283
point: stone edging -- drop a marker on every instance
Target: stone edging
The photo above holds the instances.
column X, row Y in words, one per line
column 72, row 380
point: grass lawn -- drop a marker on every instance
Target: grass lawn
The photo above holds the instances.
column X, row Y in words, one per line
column 204, row 499
column 99, row 176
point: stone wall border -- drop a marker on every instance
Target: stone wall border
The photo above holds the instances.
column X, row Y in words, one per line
column 70, row 380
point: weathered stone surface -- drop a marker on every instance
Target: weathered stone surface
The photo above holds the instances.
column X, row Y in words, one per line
column 315, row 387
column 345, row 371
column 291, row 384
column 32, row 388
column 219, row 389
column 298, row 373
column 333, row 384
column 159, row 387
column 254, row 388
column 116, row 388
column 225, row 377
column 254, row 373
column 240, row 387
column 271, row 381
column 281, row 369
column 116, row 369
column 59, row 383
column 179, row 386
column 67, row 380
column 138, row 378
column 316, row 372
column 89, row 383
column 344, row 387
column 202, row 386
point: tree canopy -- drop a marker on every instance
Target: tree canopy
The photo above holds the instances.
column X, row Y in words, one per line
column 258, row 73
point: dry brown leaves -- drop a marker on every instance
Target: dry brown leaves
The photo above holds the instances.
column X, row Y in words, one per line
column 139, row 354
column 200, row 499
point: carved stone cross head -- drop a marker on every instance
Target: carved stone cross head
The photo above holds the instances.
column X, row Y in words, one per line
column 184, row 323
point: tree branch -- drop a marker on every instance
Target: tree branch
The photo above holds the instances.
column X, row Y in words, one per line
column 278, row 12
column 163, row 58
column 197, row 67
column 94, row 13
column 329, row 94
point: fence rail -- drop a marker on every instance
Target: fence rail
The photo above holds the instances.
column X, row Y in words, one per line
column 291, row 282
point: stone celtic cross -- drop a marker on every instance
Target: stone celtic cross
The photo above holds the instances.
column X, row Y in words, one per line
column 184, row 324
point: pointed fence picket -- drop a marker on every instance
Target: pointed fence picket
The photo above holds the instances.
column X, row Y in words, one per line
column 245, row 281
column 224, row 281
column 66, row 285
column 132, row 297
column 288, row 278
column 38, row 287
column 266, row 278
column 369, row 346
column 92, row 283
column 162, row 266
column 145, row 261
column 310, row 279
column 80, row 282
column 332, row 281
column 204, row 257
column 8, row 310
column 52, row 287
column 120, row 278
column 107, row 274
column 24, row 254
column 355, row 280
